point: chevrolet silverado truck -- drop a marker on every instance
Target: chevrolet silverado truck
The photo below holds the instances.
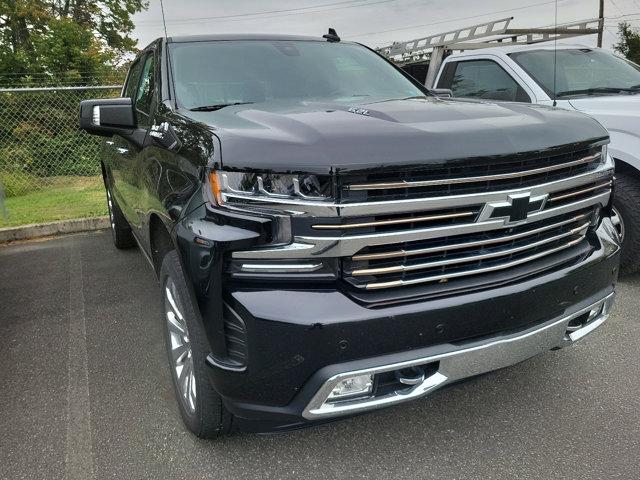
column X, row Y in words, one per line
column 330, row 237
column 587, row 79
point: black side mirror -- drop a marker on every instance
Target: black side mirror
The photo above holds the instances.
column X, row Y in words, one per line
column 442, row 92
column 107, row 116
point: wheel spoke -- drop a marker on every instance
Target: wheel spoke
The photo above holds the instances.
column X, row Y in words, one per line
column 618, row 222
column 172, row 302
column 179, row 354
column 192, row 390
column 174, row 324
column 183, row 381
column 180, row 347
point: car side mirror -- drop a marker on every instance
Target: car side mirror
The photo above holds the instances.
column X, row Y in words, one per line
column 106, row 116
column 442, row 92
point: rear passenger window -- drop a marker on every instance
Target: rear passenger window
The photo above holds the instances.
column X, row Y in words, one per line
column 485, row 79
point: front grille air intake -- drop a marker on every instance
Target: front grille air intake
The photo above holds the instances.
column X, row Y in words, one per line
column 462, row 256
column 437, row 227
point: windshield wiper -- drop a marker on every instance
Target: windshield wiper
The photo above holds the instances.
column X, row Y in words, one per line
column 595, row 90
column 212, row 108
column 401, row 98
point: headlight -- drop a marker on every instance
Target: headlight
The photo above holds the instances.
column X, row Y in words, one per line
column 242, row 187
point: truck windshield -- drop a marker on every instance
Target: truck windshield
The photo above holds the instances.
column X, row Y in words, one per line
column 214, row 74
column 580, row 72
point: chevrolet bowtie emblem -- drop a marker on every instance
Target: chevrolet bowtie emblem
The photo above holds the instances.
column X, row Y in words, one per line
column 515, row 210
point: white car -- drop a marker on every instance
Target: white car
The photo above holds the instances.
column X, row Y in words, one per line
column 591, row 80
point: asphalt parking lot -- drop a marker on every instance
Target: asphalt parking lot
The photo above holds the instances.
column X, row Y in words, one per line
column 85, row 393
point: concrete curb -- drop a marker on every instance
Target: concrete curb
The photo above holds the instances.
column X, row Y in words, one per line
column 11, row 234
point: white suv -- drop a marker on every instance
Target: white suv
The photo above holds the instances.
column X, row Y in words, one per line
column 587, row 79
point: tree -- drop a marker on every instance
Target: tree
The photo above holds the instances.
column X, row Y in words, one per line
column 629, row 44
column 68, row 40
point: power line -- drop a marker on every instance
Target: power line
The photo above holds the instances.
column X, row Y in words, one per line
column 285, row 12
column 626, row 20
column 453, row 19
column 622, row 16
column 615, row 5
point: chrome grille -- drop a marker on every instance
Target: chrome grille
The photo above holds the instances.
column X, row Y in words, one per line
column 443, row 260
column 468, row 177
column 437, row 226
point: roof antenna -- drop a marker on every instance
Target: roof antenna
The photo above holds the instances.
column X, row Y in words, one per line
column 555, row 57
column 164, row 23
column 332, row 36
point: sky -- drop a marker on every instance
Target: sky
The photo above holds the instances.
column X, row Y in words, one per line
column 375, row 23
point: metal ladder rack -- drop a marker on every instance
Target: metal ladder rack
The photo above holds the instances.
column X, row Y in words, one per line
column 432, row 49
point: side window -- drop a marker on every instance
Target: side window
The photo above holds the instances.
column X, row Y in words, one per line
column 132, row 80
column 446, row 77
column 485, row 79
column 146, row 88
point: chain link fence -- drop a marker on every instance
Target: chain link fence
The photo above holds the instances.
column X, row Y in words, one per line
column 41, row 147
column 49, row 169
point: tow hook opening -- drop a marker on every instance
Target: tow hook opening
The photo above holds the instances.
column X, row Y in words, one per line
column 403, row 380
column 583, row 320
column 584, row 323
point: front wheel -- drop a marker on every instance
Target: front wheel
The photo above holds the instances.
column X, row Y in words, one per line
column 200, row 406
column 626, row 219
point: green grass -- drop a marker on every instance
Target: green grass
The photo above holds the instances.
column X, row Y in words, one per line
column 66, row 198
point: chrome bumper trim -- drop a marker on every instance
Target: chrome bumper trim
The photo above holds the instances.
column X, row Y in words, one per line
column 463, row 363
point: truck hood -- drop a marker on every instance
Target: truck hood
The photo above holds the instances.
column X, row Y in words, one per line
column 324, row 138
column 618, row 113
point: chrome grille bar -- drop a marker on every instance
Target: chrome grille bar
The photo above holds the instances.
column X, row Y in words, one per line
column 476, row 179
column 470, row 258
column 394, row 221
column 555, row 198
column 452, row 275
column 347, row 246
column 458, row 246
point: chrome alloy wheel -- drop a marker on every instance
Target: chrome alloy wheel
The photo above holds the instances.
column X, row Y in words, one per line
column 618, row 222
column 110, row 205
column 181, row 354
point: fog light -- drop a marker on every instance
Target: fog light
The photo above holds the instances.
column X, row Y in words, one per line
column 360, row 386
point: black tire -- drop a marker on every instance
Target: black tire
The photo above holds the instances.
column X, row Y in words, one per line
column 120, row 228
column 626, row 201
column 205, row 416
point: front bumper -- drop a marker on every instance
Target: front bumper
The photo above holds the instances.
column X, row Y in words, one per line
column 301, row 341
column 463, row 362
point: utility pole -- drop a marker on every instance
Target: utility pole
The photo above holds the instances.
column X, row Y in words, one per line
column 600, row 23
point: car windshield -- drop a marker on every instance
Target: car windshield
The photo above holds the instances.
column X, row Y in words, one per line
column 218, row 73
column 580, row 71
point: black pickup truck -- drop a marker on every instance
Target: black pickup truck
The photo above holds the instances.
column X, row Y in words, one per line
column 331, row 237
